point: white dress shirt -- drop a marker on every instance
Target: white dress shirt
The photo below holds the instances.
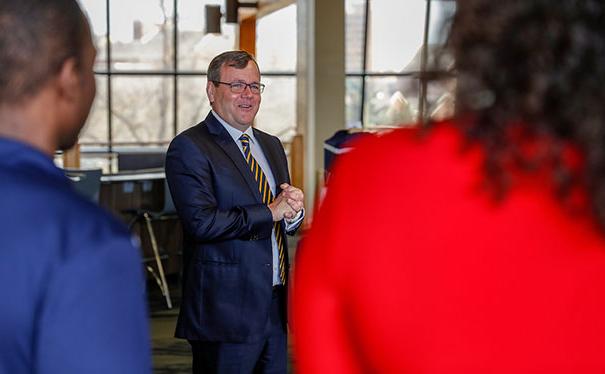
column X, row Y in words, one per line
column 260, row 158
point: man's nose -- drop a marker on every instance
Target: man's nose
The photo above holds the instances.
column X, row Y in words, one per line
column 247, row 90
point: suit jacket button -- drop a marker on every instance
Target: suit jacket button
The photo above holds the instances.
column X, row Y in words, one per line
column 268, row 265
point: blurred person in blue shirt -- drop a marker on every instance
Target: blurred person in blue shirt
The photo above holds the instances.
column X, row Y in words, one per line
column 73, row 298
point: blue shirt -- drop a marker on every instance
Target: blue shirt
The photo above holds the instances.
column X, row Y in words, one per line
column 260, row 158
column 73, row 298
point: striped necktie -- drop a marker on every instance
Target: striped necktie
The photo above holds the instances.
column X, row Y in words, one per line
column 267, row 198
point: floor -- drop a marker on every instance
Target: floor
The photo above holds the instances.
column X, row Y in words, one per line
column 170, row 355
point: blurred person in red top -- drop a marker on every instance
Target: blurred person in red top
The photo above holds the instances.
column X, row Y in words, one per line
column 476, row 246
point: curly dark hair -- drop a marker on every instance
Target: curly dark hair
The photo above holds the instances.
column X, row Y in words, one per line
column 36, row 37
column 538, row 67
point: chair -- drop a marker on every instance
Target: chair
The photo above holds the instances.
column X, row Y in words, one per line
column 86, row 182
column 148, row 217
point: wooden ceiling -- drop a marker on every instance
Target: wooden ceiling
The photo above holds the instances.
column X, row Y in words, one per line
column 264, row 7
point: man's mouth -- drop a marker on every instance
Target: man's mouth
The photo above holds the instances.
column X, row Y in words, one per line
column 245, row 106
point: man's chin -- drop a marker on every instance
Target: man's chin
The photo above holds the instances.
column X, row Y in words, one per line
column 66, row 144
column 70, row 139
column 246, row 120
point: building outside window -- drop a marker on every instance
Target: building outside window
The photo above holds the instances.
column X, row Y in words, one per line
column 385, row 40
column 153, row 55
column 151, row 70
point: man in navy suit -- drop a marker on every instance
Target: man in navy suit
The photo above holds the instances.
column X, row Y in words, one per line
column 232, row 191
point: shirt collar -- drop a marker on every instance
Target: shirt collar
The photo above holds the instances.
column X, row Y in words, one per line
column 16, row 154
column 235, row 133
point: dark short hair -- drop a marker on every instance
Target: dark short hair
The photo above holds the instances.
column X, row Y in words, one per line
column 36, row 37
column 236, row 59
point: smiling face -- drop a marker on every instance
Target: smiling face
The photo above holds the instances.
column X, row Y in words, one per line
column 237, row 109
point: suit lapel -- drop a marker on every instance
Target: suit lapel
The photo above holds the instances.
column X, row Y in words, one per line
column 225, row 141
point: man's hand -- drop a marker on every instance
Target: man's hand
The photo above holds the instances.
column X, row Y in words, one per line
column 287, row 204
column 294, row 196
column 280, row 208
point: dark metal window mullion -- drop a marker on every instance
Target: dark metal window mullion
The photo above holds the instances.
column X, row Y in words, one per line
column 423, row 64
column 109, row 106
column 365, row 61
column 174, row 73
column 175, row 51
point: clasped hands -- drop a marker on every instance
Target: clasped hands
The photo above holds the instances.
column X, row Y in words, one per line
column 288, row 203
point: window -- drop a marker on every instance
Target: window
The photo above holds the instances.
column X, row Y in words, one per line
column 276, row 52
column 385, row 49
column 151, row 66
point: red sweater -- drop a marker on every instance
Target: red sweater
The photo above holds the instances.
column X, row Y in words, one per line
column 411, row 267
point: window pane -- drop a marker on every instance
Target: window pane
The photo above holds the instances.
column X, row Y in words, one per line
column 353, row 102
column 276, row 40
column 391, row 101
column 141, row 34
column 354, row 35
column 97, row 16
column 142, row 109
column 277, row 114
column 96, row 131
column 396, row 31
column 441, row 15
column 440, row 99
column 193, row 102
column 196, row 48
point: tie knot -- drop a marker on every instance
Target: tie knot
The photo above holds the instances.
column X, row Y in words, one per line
column 245, row 139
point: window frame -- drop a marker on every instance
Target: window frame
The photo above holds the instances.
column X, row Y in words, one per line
column 424, row 75
column 108, row 73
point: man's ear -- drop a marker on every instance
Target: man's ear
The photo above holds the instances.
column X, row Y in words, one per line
column 210, row 89
column 68, row 80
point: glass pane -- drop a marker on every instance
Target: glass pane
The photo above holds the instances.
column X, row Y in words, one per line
column 97, row 17
column 391, row 101
column 354, row 35
column 442, row 12
column 276, row 41
column 396, row 31
column 277, row 114
column 141, row 34
column 196, row 48
column 96, row 129
column 440, row 96
column 142, row 109
column 193, row 102
column 353, row 102
column 441, row 16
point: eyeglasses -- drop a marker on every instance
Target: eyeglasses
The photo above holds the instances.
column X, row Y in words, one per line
column 239, row 87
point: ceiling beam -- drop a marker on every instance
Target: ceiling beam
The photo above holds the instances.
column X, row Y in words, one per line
column 267, row 7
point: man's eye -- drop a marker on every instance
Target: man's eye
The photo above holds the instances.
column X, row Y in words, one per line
column 237, row 86
column 255, row 86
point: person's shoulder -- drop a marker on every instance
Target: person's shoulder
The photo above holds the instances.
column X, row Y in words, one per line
column 65, row 222
column 189, row 134
column 195, row 140
column 95, row 236
column 384, row 145
column 93, row 224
